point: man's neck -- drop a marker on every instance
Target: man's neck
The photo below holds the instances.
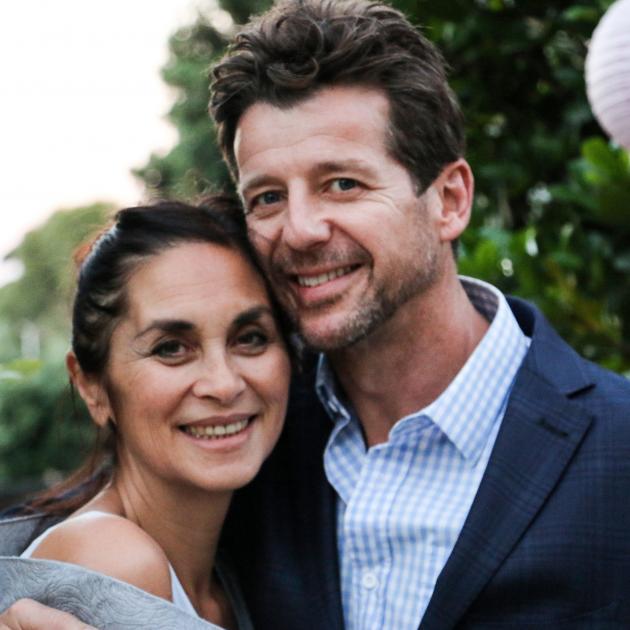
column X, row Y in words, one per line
column 411, row 359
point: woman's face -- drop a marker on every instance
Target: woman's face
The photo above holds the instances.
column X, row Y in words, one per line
column 198, row 375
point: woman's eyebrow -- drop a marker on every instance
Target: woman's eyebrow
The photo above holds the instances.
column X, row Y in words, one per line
column 166, row 325
column 251, row 315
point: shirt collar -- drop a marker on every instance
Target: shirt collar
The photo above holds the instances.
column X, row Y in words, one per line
column 326, row 388
column 468, row 408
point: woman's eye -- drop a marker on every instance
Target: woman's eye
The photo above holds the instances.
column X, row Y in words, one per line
column 169, row 350
column 252, row 340
column 342, row 184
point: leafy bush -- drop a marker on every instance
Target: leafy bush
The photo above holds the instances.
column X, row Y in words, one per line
column 42, row 432
column 551, row 220
column 551, row 210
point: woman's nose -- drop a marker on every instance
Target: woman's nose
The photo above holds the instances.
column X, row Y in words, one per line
column 220, row 380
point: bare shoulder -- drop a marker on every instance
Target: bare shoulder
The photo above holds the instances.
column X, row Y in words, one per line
column 111, row 545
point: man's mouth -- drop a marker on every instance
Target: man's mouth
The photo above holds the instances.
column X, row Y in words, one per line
column 316, row 280
column 216, row 431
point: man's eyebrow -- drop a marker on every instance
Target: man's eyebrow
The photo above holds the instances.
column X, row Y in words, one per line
column 166, row 325
column 257, row 181
column 251, row 315
column 339, row 166
column 322, row 168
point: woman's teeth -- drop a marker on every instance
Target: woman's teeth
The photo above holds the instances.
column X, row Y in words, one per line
column 217, row 430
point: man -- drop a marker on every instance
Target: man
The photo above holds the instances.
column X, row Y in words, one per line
column 473, row 466
column 449, row 461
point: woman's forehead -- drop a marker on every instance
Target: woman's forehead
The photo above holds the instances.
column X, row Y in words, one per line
column 191, row 275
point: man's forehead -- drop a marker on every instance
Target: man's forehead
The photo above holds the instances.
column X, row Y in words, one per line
column 343, row 112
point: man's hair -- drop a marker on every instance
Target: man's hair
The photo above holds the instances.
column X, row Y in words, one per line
column 298, row 47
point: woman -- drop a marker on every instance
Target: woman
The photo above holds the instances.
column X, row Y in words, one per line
column 179, row 357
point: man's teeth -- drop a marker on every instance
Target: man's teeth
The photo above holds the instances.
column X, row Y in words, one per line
column 217, row 430
column 313, row 281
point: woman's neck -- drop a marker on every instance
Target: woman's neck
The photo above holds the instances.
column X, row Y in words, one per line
column 186, row 523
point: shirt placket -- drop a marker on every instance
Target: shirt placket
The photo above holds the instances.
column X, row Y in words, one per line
column 366, row 532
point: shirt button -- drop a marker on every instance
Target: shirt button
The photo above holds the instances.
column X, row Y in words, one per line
column 369, row 580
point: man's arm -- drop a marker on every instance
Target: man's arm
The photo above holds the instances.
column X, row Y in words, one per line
column 27, row 614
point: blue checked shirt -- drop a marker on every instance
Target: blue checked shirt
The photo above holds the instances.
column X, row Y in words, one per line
column 402, row 504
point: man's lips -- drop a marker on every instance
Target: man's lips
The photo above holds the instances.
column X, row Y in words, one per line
column 315, row 279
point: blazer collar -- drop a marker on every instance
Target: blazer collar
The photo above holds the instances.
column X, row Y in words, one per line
column 541, row 429
column 549, row 355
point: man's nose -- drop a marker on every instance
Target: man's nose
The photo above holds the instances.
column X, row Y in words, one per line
column 219, row 379
column 305, row 222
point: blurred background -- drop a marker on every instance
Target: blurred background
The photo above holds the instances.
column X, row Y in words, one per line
column 105, row 105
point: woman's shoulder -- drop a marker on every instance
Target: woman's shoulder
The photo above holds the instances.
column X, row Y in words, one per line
column 112, row 545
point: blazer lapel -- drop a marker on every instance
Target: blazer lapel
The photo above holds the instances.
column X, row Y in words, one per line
column 538, row 436
column 317, row 532
column 315, row 507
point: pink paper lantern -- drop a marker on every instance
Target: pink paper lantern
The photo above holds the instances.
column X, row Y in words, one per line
column 608, row 72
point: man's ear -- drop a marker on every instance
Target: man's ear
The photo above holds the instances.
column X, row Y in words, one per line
column 455, row 186
column 91, row 391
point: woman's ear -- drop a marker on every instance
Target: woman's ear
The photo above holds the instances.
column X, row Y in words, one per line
column 91, row 391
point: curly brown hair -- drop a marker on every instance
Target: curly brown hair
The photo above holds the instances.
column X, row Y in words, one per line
column 298, row 47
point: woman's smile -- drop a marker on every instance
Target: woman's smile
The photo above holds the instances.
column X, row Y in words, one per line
column 198, row 351
column 217, row 428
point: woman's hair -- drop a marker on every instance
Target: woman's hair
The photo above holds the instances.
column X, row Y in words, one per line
column 101, row 301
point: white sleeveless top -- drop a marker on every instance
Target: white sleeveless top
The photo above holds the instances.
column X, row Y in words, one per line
column 178, row 594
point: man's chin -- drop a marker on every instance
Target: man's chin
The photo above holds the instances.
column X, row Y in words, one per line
column 329, row 336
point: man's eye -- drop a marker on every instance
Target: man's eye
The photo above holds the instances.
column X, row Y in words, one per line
column 343, row 184
column 265, row 199
column 169, row 350
column 263, row 205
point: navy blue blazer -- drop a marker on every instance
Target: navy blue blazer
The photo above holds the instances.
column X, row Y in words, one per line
column 546, row 544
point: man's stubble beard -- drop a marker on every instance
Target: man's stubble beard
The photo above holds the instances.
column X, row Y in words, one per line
column 372, row 311
column 398, row 285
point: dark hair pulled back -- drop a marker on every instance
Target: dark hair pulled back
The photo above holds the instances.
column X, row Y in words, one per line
column 138, row 234
column 105, row 266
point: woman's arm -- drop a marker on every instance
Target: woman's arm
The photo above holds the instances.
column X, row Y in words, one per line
column 113, row 546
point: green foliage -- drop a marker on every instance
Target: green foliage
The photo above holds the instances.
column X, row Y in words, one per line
column 18, row 369
column 194, row 165
column 41, row 296
column 240, row 10
column 550, row 215
column 572, row 258
column 40, row 431
column 518, row 70
column 551, row 218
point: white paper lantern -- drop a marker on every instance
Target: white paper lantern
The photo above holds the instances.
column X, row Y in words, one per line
column 608, row 72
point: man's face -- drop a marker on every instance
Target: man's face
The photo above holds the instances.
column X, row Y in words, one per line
column 336, row 220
